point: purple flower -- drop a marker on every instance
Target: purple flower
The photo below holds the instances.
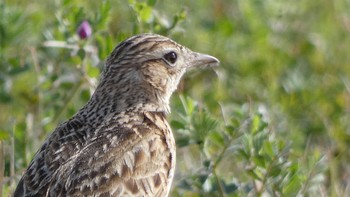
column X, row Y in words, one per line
column 84, row 30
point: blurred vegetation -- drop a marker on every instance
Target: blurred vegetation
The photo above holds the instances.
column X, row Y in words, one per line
column 273, row 120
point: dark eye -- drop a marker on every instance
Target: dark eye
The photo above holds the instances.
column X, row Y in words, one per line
column 170, row 57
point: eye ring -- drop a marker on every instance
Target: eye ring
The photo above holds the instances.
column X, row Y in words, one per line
column 170, row 57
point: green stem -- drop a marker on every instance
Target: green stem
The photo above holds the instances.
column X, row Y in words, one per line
column 221, row 187
column 67, row 100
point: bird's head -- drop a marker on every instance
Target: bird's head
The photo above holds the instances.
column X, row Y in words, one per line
column 145, row 70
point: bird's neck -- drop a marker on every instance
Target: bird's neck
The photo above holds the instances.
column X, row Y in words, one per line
column 105, row 103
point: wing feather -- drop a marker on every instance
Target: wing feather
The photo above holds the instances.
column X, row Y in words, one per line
column 112, row 160
column 140, row 168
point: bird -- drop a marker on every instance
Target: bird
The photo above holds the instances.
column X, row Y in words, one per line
column 119, row 143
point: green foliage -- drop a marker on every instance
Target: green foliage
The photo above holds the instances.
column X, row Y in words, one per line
column 150, row 20
column 240, row 157
column 272, row 120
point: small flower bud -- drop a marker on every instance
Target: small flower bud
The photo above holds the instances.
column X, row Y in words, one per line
column 84, row 31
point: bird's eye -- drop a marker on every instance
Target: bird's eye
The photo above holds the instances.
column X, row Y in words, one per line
column 171, row 57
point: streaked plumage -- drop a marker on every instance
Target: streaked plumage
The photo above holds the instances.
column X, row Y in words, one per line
column 119, row 143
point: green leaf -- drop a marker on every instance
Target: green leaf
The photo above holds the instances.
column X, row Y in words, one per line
column 246, row 141
column 206, row 163
column 177, row 124
column 183, row 141
column 258, row 141
column 230, row 188
column 253, row 174
column 151, row 2
column 188, row 104
column 231, row 131
column 217, row 138
column 5, row 97
column 144, row 11
column 275, row 170
column 15, row 69
column 268, row 149
column 81, row 53
column 4, row 135
column 293, row 186
column 202, row 178
column 259, row 161
column 85, row 95
column 146, row 14
column 244, row 154
column 255, row 123
column 93, row 71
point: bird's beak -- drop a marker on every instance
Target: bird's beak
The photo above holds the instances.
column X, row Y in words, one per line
column 199, row 59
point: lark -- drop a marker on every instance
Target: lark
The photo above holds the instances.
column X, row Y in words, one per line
column 119, row 143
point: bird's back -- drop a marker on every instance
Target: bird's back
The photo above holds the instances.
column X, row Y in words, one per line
column 130, row 154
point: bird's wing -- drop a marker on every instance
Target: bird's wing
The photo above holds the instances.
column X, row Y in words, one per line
column 118, row 162
column 57, row 149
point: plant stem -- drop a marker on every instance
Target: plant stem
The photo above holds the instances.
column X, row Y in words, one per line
column 67, row 100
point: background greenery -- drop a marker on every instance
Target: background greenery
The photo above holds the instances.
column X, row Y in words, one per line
column 273, row 120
